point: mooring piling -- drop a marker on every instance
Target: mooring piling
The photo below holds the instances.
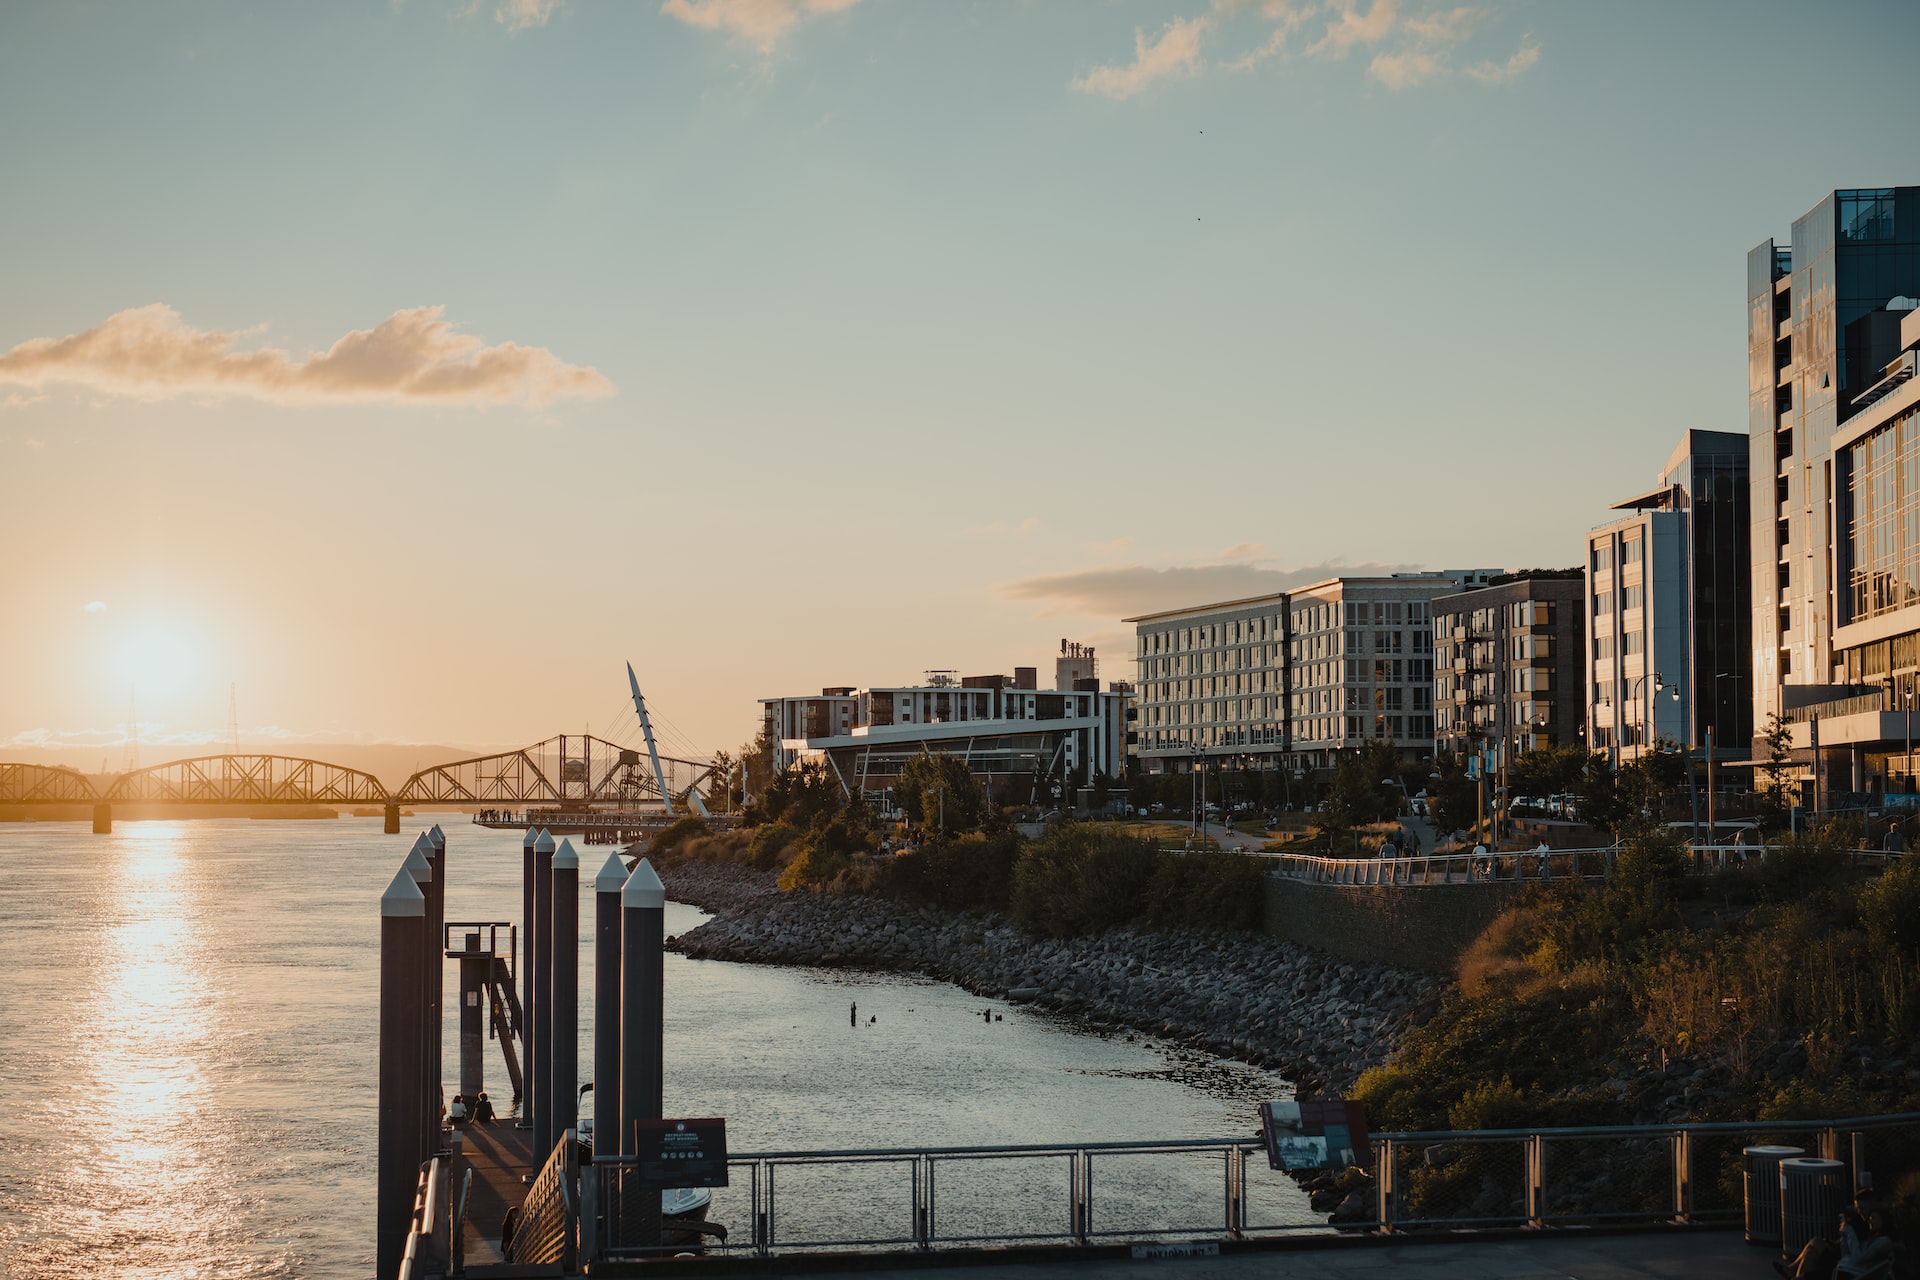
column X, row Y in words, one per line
column 643, row 903
column 566, row 988
column 541, row 1076
column 402, row 986
column 606, row 1003
column 475, row 967
column 524, row 962
column 421, row 869
column 436, row 852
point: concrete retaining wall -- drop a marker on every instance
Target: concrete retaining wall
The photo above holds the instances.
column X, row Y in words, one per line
column 1418, row 926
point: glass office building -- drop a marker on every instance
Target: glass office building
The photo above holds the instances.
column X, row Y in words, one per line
column 1824, row 320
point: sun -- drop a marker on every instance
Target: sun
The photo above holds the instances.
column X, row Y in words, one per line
column 157, row 662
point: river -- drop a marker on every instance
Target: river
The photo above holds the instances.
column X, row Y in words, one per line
column 187, row 1081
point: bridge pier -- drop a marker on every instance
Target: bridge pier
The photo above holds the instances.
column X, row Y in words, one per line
column 103, row 819
column 393, row 820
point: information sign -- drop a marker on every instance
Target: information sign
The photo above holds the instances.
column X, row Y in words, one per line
column 1328, row 1133
column 681, row 1153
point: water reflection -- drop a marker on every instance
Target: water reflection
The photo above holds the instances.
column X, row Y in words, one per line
column 140, row 1037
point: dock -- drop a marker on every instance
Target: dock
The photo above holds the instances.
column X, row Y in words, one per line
column 500, row 1155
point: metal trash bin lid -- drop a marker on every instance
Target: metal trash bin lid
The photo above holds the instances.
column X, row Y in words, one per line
column 1780, row 1153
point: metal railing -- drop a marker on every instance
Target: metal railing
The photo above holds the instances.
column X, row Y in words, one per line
column 1511, row 866
column 433, row 1233
column 1084, row 1193
column 547, row 1230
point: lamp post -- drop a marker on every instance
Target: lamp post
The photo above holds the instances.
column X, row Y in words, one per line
column 1198, row 789
column 1659, row 684
column 1906, row 706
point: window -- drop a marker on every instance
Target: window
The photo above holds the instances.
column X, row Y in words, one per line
column 1632, row 597
column 1630, row 550
column 1602, row 556
column 1865, row 215
column 1602, row 604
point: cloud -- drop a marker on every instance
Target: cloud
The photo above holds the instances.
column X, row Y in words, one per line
column 1175, row 53
column 1406, row 69
column 760, row 23
column 1411, row 46
column 412, row 357
column 94, row 606
column 35, row 442
column 1350, row 27
column 518, row 15
column 1125, row 590
column 1510, row 70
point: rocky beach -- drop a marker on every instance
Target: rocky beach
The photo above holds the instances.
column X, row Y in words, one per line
column 1317, row 1020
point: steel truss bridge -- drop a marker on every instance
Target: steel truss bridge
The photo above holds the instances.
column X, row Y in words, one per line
column 593, row 782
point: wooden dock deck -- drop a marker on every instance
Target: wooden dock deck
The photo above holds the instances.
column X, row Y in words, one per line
column 500, row 1155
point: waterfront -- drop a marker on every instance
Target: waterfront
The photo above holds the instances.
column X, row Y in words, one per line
column 189, row 1087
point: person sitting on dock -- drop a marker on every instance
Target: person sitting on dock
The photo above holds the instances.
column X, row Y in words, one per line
column 482, row 1109
column 457, row 1109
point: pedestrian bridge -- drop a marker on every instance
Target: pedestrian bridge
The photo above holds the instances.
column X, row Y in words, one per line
column 571, row 772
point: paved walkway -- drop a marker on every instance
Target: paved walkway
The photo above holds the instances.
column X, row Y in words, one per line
column 1680, row 1255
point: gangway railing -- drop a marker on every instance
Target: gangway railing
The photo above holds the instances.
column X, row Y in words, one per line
column 929, row 1198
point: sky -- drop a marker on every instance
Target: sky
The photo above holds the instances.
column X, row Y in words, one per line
column 395, row 371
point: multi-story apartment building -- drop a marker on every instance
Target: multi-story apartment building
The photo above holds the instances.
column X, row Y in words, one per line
column 1008, row 730
column 1291, row 679
column 1824, row 320
column 1510, row 666
column 1669, row 652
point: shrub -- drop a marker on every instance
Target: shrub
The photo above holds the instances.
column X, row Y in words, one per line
column 771, row 843
column 668, row 842
column 1890, row 907
column 1207, row 889
column 1080, row 878
column 966, row 873
column 825, row 854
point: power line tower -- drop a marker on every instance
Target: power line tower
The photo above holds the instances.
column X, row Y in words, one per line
column 131, row 759
column 233, row 718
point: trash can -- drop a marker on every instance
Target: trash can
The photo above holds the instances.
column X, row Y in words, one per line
column 1761, row 1170
column 1812, row 1194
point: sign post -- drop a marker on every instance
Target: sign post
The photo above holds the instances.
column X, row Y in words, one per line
column 680, row 1153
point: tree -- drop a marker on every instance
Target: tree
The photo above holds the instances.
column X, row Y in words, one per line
column 800, row 794
column 1358, row 796
column 1453, row 799
column 939, row 793
column 1598, row 796
column 720, row 780
column 758, row 758
column 1775, row 785
column 1548, row 771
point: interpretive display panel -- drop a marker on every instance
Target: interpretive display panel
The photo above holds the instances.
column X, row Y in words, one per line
column 1327, row 1133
